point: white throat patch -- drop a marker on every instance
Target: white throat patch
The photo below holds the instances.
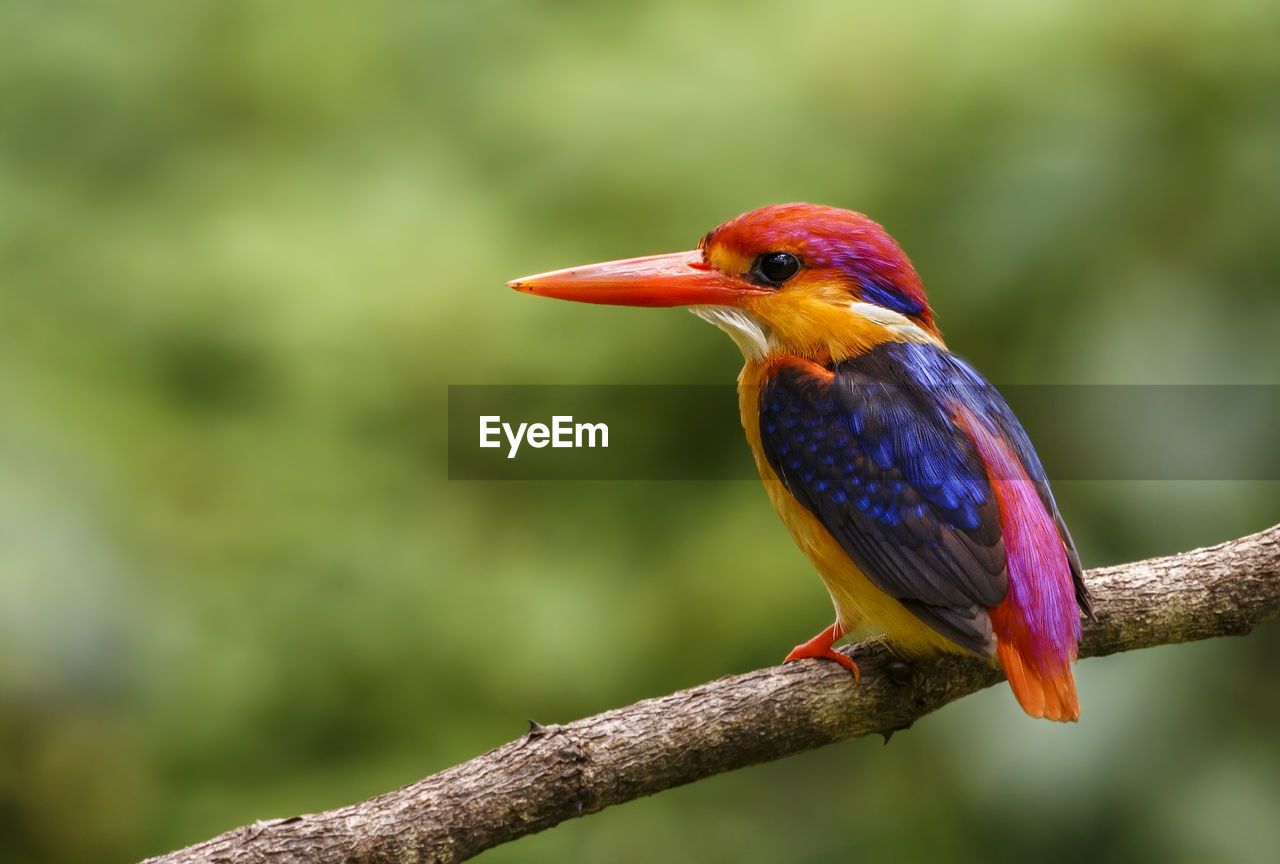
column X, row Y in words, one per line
column 751, row 334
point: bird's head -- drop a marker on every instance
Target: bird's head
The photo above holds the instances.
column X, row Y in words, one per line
column 801, row 278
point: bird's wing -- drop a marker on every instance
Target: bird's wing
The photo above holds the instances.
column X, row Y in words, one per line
column 872, row 448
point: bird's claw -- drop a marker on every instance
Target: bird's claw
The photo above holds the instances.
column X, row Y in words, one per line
column 819, row 647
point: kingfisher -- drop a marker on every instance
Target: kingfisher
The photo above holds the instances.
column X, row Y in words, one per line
column 899, row 470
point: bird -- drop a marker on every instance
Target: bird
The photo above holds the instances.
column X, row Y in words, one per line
column 899, row 470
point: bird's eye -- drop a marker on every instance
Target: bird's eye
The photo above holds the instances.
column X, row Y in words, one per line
column 776, row 267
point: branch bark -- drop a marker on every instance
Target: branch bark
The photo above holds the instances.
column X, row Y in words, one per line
column 555, row 773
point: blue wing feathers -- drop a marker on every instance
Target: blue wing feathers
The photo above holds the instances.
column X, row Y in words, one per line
column 870, row 447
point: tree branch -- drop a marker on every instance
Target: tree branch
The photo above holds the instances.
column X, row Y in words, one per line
column 555, row 773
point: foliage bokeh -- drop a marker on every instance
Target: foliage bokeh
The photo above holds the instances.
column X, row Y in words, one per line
column 244, row 248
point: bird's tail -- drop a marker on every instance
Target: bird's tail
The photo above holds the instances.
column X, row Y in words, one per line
column 1037, row 625
column 1050, row 694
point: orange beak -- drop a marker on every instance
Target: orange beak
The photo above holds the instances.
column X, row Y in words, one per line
column 674, row 279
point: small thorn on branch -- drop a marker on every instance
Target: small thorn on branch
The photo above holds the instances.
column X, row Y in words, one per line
column 899, row 672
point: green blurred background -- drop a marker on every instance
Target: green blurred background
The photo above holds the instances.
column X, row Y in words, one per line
column 245, row 247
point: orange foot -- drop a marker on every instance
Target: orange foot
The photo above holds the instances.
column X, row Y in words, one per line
column 820, row 646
